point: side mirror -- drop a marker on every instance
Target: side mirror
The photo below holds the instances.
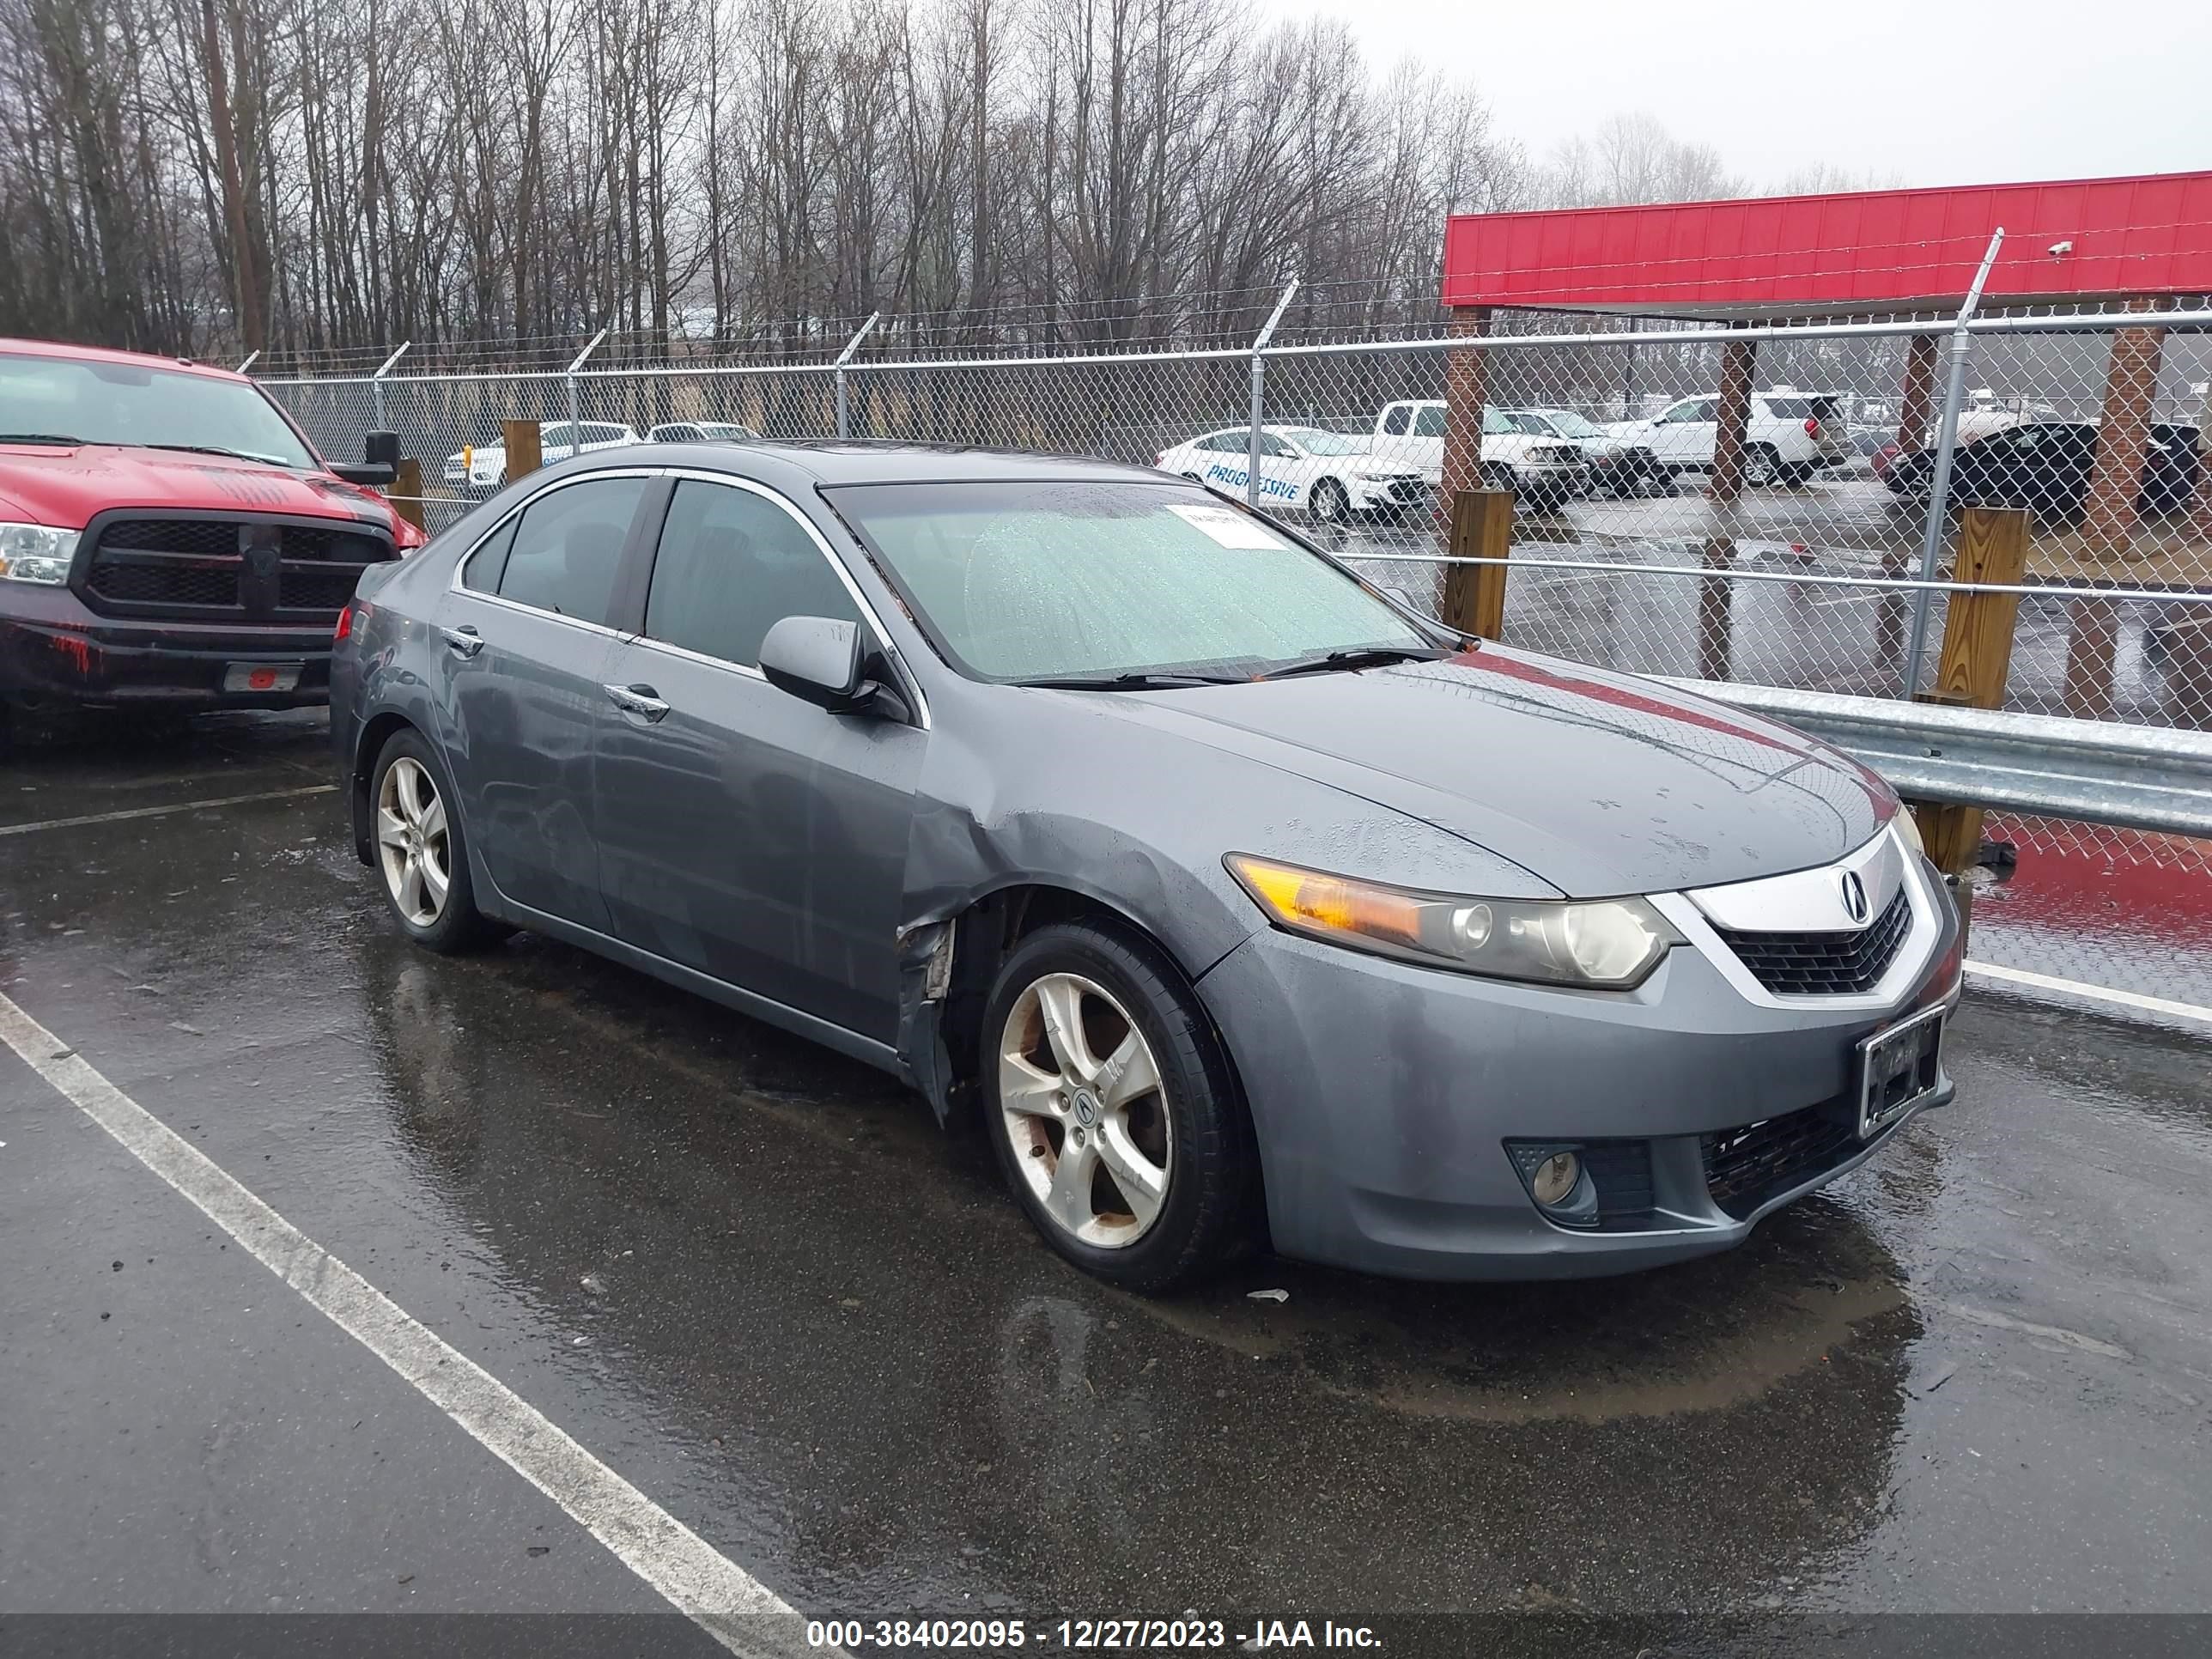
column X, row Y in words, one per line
column 818, row 660
column 379, row 463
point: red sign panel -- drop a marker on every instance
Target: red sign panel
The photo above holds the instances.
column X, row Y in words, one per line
column 1866, row 251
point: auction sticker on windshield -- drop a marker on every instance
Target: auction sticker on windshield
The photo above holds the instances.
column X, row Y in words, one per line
column 1227, row 525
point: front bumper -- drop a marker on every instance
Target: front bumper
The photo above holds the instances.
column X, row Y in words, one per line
column 1410, row 493
column 1552, row 481
column 55, row 652
column 1384, row 1094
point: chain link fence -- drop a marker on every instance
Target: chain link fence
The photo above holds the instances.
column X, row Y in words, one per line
column 1775, row 505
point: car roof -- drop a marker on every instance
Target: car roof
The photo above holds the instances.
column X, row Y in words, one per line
column 84, row 354
column 830, row 462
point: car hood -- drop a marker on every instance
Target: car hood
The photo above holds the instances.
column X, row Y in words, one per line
column 64, row 488
column 1370, row 460
column 1600, row 784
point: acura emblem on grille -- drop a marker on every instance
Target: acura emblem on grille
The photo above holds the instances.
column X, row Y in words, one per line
column 1855, row 897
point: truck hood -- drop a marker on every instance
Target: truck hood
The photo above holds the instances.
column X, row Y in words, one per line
column 1600, row 784
column 64, row 488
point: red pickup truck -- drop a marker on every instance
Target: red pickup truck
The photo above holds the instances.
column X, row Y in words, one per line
column 169, row 539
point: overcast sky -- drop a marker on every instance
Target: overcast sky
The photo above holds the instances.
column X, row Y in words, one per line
column 1933, row 92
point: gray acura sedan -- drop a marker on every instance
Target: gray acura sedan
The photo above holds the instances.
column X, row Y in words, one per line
column 1233, row 900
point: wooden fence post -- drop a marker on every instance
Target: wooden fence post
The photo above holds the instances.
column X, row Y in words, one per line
column 406, row 492
column 1474, row 595
column 524, row 452
column 1976, row 657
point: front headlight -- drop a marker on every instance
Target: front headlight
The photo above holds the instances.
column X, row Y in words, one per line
column 1606, row 944
column 1381, row 478
column 36, row 553
column 1908, row 831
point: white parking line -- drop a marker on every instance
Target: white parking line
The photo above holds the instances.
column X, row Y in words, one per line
column 728, row 1602
column 2074, row 987
column 163, row 811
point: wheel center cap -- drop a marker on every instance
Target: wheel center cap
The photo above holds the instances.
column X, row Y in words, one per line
column 1085, row 1106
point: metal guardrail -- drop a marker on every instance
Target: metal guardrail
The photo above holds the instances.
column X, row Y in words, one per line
column 2130, row 777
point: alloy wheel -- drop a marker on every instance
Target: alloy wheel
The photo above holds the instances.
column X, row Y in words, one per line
column 1082, row 1106
column 413, row 846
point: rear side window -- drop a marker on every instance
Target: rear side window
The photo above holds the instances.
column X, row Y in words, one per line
column 1396, row 420
column 488, row 562
column 1789, row 408
column 568, row 547
column 1430, row 419
column 732, row 565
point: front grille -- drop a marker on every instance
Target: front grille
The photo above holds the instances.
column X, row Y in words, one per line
column 199, row 586
column 240, row 567
column 1745, row 1167
column 1824, row 965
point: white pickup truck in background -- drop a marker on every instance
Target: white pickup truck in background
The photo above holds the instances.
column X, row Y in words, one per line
column 1544, row 473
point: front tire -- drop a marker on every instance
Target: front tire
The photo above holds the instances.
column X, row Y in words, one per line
column 421, row 858
column 1112, row 1110
column 1330, row 504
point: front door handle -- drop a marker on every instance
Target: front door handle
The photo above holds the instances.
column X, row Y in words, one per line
column 465, row 641
column 642, row 700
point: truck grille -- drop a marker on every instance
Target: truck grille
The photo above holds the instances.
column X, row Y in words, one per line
column 1824, row 965
column 226, row 568
column 1745, row 1167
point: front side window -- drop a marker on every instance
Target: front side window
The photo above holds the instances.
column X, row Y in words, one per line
column 60, row 399
column 1091, row 580
column 732, row 565
column 568, row 547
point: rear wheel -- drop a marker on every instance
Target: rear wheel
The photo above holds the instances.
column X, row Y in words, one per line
column 1112, row 1110
column 1330, row 504
column 420, row 852
column 1762, row 466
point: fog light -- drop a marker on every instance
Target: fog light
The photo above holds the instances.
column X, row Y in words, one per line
column 1555, row 1180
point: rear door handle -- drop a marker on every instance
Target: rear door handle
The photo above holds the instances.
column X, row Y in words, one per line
column 642, row 700
column 465, row 641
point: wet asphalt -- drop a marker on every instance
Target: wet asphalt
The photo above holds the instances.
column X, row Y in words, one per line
column 756, row 1281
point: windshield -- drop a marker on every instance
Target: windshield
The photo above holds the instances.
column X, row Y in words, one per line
column 133, row 403
column 1063, row 580
column 1314, row 442
column 1568, row 424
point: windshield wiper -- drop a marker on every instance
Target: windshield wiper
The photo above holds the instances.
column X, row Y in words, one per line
column 217, row 449
column 1366, row 656
column 1133, row 682
column 37, row 438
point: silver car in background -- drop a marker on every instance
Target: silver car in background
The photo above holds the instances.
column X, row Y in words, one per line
column 1232, row 900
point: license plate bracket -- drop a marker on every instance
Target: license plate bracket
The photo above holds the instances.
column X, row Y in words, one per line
column 1900, row 1066
column 262, row 676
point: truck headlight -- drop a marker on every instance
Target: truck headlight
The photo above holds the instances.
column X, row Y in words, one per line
column 1603, row 945
column 36, row 553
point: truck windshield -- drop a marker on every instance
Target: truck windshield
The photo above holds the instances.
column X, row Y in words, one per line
column 138, row 405
column 1105, row 581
